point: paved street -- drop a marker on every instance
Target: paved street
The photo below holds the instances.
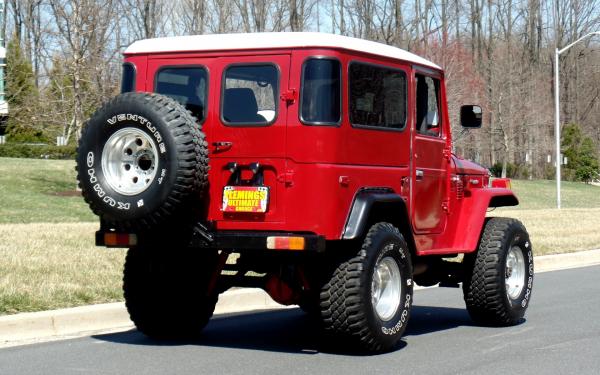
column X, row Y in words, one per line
column 561, row 336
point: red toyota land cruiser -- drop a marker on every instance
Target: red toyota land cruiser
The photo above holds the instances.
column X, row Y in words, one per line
column 324, row 162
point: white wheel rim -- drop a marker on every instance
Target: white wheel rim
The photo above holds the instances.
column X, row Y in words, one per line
column 129, row 161
column 386, row 288
column 515, row 272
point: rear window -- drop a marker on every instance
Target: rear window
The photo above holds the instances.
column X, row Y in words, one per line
column 128, row 78
column 377, row 96
column 187, row 85
column 250, row 95
column 321, row 92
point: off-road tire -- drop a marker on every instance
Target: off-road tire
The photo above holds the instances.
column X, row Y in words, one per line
column 347, row 312
column 484, row 287
column 175, row 179
column 166, row 292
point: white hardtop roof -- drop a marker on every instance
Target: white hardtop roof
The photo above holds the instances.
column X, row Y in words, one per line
column 253, row 41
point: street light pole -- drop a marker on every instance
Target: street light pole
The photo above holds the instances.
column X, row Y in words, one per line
column 557, row 54
column 557, row 125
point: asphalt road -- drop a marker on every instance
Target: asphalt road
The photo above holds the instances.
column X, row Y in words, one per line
column 561, row 336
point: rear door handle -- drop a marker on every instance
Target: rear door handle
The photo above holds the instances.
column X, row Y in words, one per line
column 222, row 145
column 420, row 174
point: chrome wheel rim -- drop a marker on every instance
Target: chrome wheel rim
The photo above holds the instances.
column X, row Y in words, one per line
column 515, row 272
column 386, row 288
column 129, row 161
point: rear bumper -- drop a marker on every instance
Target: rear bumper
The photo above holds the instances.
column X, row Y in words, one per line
column 221, row 240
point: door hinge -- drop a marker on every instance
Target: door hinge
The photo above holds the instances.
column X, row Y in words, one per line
column 446, row 206
column 447, row 153
column 289, row 97
column 286, row 178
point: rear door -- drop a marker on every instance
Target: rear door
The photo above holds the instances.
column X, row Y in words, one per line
column 246, row 133
column 237, row 101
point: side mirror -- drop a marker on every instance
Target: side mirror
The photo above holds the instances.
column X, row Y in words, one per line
column 470, row 116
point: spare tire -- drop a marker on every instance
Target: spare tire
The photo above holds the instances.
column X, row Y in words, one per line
column 142, row 159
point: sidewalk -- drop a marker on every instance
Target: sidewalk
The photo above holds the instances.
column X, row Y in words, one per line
column 80, row 321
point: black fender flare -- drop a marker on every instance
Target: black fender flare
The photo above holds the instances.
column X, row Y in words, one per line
column 364, row 202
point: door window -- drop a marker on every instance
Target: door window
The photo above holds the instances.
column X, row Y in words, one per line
column 428, row 109
column 187, row 85
column 249, row 95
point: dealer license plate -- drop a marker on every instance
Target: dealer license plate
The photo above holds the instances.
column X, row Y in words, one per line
column 245, row 198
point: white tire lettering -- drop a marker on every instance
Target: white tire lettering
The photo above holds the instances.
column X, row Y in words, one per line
column 403, row 318
column 92, row 174
column 110, row 201
column 90, row 159
column 142, row 121
column 123, row 206
column 101, row 193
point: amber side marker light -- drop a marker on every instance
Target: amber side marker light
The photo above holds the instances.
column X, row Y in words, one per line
column 285, row 243
column 501, row 183
column 120, row 239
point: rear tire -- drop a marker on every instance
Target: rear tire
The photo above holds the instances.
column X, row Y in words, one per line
column 367, row 300
column 166, row 292
column 499, row 276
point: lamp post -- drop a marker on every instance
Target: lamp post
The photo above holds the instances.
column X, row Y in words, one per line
column 557, row 109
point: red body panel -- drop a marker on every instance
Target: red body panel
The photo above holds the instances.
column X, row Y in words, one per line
column 314, row 172
column 464, row 229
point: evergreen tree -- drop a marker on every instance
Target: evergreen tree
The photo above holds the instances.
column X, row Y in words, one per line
column 22, row 97
column 583, row 164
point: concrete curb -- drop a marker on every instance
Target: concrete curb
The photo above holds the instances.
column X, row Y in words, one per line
column 78, row 321
column 556, row 262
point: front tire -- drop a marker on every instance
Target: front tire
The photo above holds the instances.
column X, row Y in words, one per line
column 497, row 288
column 367, row 300
column 166, row 292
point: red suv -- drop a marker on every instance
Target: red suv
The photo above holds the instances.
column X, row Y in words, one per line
column 324, row 162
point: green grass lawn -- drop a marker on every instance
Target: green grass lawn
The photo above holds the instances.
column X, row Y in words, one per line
column 48, row 258
column 34, row 190
column 53, row 265
column 576, row 226
column 541, row 194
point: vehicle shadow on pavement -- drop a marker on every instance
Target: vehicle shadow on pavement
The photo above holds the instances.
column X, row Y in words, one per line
column 289, row 330
column 430, row 319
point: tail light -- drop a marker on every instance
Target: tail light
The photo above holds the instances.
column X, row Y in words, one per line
column 285, row 243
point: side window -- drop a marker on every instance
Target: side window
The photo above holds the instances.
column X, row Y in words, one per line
column 187, row 85
column 428, row 110
column 321, row 88
column 249, row 95
column 128, row 78
column 377, row 96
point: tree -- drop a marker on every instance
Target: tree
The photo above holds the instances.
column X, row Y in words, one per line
column 580, row 152
column 22, row 97
column 84, row 37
